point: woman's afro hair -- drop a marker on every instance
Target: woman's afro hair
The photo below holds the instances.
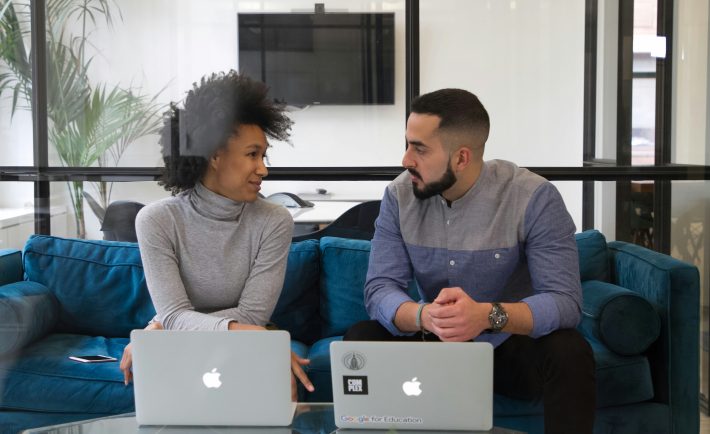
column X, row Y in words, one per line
column 212, row 112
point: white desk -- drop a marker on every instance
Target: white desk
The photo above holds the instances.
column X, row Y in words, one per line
column 322, row 211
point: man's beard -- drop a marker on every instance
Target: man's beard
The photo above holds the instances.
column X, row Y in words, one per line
column 433, row 188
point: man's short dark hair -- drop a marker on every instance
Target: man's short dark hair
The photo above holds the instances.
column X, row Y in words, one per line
column 461, row 113
column 213, row 111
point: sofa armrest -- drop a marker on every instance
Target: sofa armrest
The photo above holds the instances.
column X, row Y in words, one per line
column 10, row 266
column 672, row 286
column 623, row 320
column 28, row 311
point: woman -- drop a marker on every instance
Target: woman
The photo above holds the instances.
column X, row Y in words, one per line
column 215, row 254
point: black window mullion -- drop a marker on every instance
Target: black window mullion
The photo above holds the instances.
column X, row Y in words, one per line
column 625, row 58
column 624, row 94
column 590, row 106
column 412, row 53
column 664, row 90
column 38, row 10
column 664, row 85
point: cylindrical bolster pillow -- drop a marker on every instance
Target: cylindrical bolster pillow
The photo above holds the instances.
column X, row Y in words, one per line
column 28, row 311
column 621, row 319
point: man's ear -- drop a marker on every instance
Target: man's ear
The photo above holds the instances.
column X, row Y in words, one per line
column 462, row 158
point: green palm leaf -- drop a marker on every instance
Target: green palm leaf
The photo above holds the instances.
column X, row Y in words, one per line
column 14, row 55
column 89, row 124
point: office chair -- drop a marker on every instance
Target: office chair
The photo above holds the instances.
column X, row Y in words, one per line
column 119, row 222
column 289, row 200
column 358, row 222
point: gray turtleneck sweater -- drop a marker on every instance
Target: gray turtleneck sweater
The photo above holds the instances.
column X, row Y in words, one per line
column 209, row 260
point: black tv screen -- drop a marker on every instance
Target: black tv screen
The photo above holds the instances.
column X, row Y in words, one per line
column 326, row 58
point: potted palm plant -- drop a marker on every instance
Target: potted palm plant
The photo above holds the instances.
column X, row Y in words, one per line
column 90, row 124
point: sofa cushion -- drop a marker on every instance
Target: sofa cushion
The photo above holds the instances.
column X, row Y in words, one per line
column 297, row 308
column 620, row 379
column 623, row 320
column 10, row 266
column 99, row 285
column 28, row 311
column 319, row 370
column 506, row 406
column 593, row 256
column 645, row 417
column 45, row 379
column 342, row 280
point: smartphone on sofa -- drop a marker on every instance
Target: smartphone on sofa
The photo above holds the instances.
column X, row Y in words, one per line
column 93, row 358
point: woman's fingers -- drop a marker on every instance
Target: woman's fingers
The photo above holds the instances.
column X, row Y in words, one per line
column 296, row 363
column 294, row 389
column 126, row 363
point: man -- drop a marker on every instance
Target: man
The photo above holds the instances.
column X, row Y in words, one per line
column 492, row 249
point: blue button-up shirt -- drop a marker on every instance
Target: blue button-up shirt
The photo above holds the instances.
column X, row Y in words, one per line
column 508, row 239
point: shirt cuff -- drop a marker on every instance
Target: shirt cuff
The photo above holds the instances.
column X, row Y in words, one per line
column 223, row 324
column 388, row 309
column 546, row 316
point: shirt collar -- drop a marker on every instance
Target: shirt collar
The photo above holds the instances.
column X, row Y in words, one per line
column 472, row 192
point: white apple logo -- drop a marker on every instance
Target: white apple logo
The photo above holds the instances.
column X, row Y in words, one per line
column 211, row 379
column 411, row 388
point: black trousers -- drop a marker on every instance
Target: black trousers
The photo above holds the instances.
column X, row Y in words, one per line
column 557, row 369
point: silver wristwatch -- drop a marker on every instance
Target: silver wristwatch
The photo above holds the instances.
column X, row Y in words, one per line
column 498, row 318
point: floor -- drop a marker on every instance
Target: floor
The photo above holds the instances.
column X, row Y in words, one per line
column 704, row 423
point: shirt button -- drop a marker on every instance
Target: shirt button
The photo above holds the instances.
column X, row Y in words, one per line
column 497, row 256
column 448, row 222
column 452, row 262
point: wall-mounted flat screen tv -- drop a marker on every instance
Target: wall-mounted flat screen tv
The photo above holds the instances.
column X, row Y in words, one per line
column 324, row 58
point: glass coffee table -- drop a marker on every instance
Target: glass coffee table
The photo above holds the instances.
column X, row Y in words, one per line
column 310, row 418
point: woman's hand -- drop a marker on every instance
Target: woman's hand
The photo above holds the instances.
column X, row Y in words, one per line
column 127, row 358
column 298, row 372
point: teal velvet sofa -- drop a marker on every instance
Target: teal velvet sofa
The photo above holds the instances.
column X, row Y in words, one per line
column 64, row 296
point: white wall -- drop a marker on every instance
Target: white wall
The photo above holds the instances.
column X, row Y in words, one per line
column 189, row 40
column 690, row 83
column 525, row 60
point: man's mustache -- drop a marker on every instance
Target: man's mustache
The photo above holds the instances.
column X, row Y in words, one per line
column 415, row 173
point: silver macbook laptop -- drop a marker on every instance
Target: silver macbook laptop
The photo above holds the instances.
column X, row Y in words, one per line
column 412, row 385
column 212, row 378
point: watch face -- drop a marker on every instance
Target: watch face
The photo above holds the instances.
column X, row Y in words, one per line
column 498, row 318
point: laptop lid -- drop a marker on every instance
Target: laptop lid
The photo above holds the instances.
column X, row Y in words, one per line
column 212, row 378
column 412, row 385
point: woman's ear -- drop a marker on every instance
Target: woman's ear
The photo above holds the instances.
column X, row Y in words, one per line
column 215, row 159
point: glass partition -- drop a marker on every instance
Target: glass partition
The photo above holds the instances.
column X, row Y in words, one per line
column 690, row 215
column 108, row 88
column 129, row 82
